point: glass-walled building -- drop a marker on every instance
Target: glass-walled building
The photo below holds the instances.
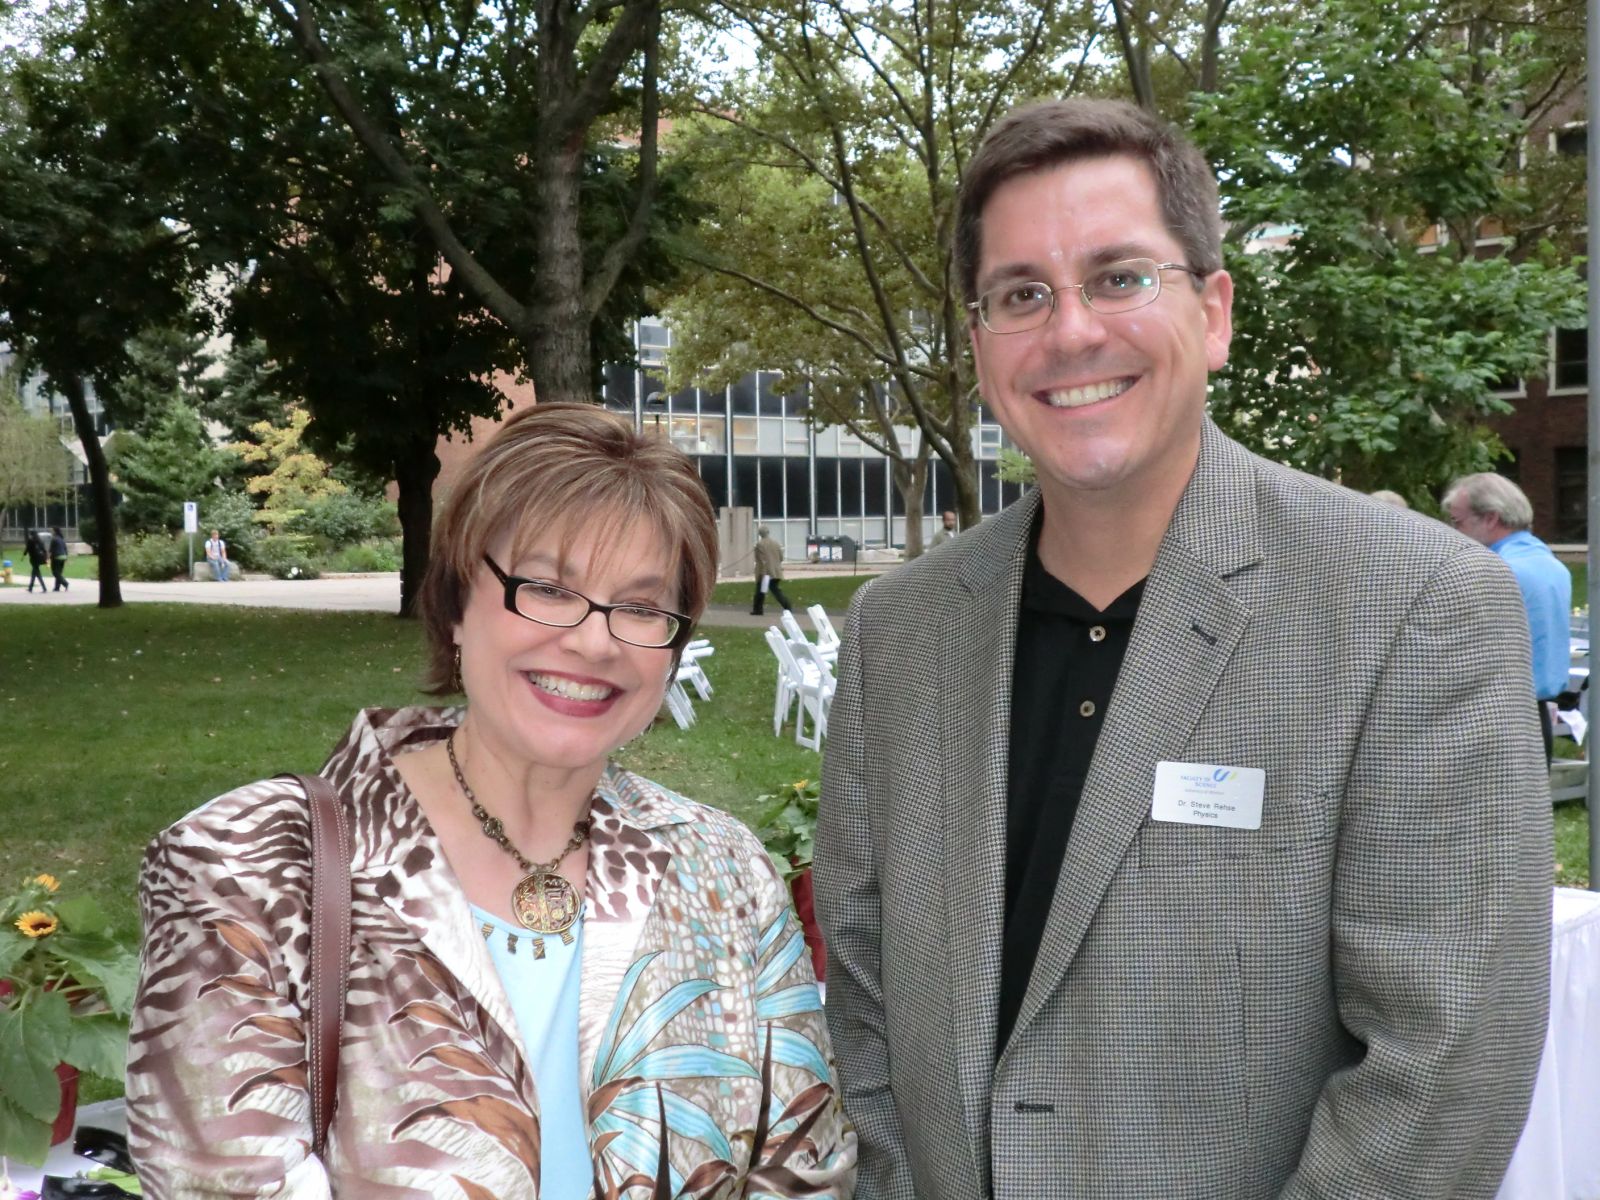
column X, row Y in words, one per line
column 754, row 449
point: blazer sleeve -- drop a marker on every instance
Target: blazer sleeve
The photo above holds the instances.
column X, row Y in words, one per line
column 846, row 873
column 216, row 1085
column 1440, row 907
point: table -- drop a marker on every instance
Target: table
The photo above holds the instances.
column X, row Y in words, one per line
column 106, row 1114
column 1558, row 1157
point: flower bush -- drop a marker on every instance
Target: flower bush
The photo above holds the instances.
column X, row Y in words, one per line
column 66, row 989
column 787, row 825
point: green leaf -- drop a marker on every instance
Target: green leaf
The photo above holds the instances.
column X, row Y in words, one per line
column 32, row 1040
column 82, row 914
column 97, row 959
column 23, row 1138
column 12, row 947
column 98, row 1044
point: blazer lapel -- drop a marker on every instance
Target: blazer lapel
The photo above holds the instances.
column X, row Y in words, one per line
column 977, row 645
column 1190, row 622
column 416, row 882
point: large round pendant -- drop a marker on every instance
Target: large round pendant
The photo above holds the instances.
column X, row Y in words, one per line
column 545, row 902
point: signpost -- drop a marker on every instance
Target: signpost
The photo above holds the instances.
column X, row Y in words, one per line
column 191, row 526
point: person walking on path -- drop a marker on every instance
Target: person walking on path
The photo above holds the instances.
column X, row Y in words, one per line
column 217, row 556
column 769, row 570
column 58, row 558
column 33, row 547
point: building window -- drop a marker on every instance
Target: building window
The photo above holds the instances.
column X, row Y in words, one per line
column 797, row 477
column 744, row 435
column 875, row 477
column 714, row 471
column 744, row 396
column 1572, row 494
column 1571, row 142
column 1570, row 368
column 744, row 481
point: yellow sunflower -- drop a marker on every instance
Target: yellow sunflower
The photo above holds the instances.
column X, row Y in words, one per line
column 48, row 882
column 37, row 924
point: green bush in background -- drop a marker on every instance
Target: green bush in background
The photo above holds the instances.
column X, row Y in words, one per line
column 345, row 518
column 286, row 556
column 153, row 557
column 365, row 556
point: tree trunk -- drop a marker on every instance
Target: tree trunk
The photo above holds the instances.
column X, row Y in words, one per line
column 964, row 471
column 911, row 481
column 559, row 345
column 100, row 486
column 415, row 469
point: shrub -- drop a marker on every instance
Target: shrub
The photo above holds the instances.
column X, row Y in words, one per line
column 285, row 556
column 346, row 518
column 152, row 557
column 365, row 556
column 234, row 515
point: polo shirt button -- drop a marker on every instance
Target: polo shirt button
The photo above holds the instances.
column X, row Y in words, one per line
column 1086, row 709
column 1097, row 633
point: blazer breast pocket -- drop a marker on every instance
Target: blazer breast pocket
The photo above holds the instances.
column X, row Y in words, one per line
column 1288, row 823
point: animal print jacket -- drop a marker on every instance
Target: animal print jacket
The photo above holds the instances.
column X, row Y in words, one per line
column 701, row 1036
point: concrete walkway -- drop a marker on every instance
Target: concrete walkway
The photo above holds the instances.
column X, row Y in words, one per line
column 340, row 593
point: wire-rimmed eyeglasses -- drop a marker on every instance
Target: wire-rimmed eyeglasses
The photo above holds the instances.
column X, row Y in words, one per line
column 551, row 604
column 1117, row 287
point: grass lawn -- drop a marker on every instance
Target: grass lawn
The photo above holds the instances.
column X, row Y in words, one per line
column 833, row 592
column 79, row 566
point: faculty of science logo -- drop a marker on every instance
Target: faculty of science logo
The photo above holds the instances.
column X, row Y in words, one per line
column 1218, row 776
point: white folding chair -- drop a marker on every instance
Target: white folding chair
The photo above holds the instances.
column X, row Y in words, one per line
column 791, row 627
column 679, row 704
column 784, row 696
column 827, row 637
column 691, row 672
column 825, row 681
column 799, row 683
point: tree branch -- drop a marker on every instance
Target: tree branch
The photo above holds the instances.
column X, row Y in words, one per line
column 609, row 269
column 488, row 290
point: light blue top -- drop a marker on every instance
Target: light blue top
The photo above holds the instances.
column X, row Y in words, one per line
column 544, row 1000
column 1547, row 593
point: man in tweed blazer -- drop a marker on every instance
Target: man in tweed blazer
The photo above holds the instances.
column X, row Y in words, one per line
column 1340, row 995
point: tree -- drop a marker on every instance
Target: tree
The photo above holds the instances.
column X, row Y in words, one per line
column 291, row 477
column 496, row 110
column 1362, row 348
column 33, row 464
column 832, row 173
column 86, row 261
column 168, row 460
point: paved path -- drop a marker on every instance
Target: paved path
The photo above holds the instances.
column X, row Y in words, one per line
column 346, row 593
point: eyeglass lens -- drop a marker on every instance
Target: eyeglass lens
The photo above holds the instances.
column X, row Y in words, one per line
column 552, row 605
column 1115, row 288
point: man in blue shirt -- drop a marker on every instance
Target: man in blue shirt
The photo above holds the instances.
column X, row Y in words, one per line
column 1491, row 509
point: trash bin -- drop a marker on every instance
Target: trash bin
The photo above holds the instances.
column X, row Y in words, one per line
column 814, row 549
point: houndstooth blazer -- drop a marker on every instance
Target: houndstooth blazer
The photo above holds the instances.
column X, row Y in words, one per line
column 1348, row 1001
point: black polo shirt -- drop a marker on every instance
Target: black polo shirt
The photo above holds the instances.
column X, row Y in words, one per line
column 1068, row 654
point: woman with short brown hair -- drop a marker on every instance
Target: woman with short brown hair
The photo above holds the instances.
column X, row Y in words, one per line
column 565, row 981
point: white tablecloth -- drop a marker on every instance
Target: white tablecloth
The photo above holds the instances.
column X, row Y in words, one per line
column 1558, row 1157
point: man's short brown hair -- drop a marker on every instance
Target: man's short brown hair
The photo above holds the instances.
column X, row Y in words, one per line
column 577, row 470
column 1047, row 134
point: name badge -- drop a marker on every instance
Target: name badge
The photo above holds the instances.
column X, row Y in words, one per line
column 1205, row 794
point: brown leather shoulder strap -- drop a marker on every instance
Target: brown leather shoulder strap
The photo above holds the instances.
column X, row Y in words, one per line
column 330, row 949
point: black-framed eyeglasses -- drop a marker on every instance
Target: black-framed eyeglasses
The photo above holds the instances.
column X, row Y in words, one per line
column 1117, row 287
column 551, row 604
